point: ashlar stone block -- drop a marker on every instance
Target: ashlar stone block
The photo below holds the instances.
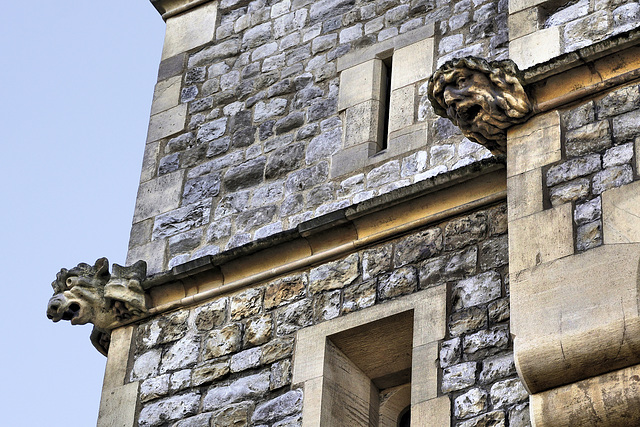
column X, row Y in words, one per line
column 542, row 237
column 524, row 194
column 402, row 111
column 412, row 63
column 363, row 123
column 167, row 123
column 360, row 83
column 535, row 48
column 190, row 29
column 523, row 22
column 534, row 144
column 166, row 94
column 158, row 195
column 621, row 213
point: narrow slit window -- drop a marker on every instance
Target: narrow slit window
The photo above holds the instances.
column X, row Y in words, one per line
column 385, row 103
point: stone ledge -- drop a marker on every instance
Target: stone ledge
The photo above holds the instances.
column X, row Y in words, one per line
column 169, row 8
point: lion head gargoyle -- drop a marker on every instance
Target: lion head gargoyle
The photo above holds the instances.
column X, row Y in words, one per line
column 90, row 294
column 482, row 98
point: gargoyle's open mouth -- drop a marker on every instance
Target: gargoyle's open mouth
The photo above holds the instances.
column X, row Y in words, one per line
column 470, row 113
column 72, row 311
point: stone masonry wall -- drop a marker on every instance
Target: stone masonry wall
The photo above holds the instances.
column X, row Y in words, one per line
column 598, row 145
column 228, row 362
column 259, row 107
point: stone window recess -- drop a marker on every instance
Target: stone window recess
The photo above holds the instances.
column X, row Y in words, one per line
column 366, row 369
column 378, row 101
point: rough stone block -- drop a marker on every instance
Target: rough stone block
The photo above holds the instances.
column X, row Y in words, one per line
column 534, row 144
column 535, row 48
column 190, row 29
column 540, row 238
column 412, row 63
column 167, row 123
column 360, row 83
column 620, row 213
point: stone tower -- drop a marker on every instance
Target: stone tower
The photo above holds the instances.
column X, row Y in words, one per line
column 380, row 213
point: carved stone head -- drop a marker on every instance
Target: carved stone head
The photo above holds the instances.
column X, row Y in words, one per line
column 90, row 294
column 482, row 98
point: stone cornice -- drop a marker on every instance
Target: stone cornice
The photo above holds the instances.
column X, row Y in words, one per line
column 169, row 8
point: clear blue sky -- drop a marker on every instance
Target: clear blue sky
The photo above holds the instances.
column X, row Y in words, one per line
column 76, row 79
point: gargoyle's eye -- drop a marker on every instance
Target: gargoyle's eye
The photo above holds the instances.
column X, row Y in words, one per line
column 69, row 282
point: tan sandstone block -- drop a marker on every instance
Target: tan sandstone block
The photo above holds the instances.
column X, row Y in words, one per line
column 360, row 83
column 524, row 194
column 116, row 369
column 402, row 111
column 152, row 252
column 149, row 161
column 540, row 238
column 412, row 63
column 118, row 406
column 430, row 320
column 523, row 23
column 158, row 195
column 609, row 400
column 166, row 95
column 363, row 123
column 535, row 48
column 190, row 29
column 424, row 373
column 431, row 413
column 167, row 123
column 621, row 214
column 517, row 5
column 534, row 144
column 576, row 317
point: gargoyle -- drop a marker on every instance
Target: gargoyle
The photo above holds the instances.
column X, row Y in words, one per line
column 90, row 294
column 482, row 98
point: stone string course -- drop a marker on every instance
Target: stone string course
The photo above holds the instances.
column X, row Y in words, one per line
column 228, row 362
column 598, row 148
column 261, row 104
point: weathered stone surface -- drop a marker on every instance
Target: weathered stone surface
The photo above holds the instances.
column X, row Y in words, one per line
column 572, row 169
column 477, row 290
column 180, row 355
column 326, row 306
column 453, row 266
column 180, row 380
column 245, row 175
column 223, row 341
column 417, row 247
column 209, row 372
column 241, row 389
column 402, row 281
column 625, row 126
column 612, row 177
column 496, row 368
column 154, row 388
column 181, row 219
column 466, row 230
column 588, row 139
column 470, row 403
column 246, row 359
column 466, row 321
column 376, row 261
column 306, row 178
column 334, row 275
column 579, row 116
column 493, row 253
column 284, row 160
column 486, row 341
column 450, row 352
column 589, row 236
column 211, row 315
column 499, row 310
column 230, row 204
column 285, row 290
column 293, row 317
column 618, row 155
column 258, row 330
column 280, row 374
column 232, row 415
column 197, row 421
column 508, row 392
column 458, row 377
column 358, row 296
column 573, row 190
column 185, row 242
column 617, row 102
column 323, row 146
column 385, row 174
column 519, row 416
column 275, row 409
column 146, row 365
column 169, row 409
column 218, row 51
column 276, row 349
column 490, row 419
